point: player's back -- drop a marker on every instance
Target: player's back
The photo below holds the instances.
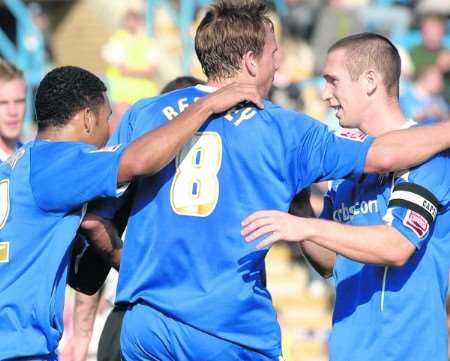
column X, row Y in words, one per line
column 30, row 262
column 184, row 254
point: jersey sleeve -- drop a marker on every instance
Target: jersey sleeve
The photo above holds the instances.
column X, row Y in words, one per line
column 65, row 175
column 139, row 119
column 323, row 155
column 416, row 198
column 107, row 208
column 328, row 201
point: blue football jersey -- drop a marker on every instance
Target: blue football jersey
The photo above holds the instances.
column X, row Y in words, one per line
column 4, row 156
column 43, row 187
column 394, row 313
column 183, row 253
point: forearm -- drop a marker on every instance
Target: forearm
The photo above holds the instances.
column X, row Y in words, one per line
column 320, row 258
column 83, row 324
column 103, row 236
column 403, row 149
column 151, row 152
column 376, row 244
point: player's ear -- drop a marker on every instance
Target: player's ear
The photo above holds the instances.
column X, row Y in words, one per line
column 250, row 63
column 372, row 79
column 89, row 120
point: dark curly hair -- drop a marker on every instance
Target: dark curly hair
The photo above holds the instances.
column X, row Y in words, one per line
column 63, row 92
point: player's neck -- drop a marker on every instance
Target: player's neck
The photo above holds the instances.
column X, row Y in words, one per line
column 383, row 119
column 8, row 146
column 220, row 83
column 59, row 134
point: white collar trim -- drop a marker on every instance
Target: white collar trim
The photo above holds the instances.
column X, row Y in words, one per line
column 206, row 88
column 408, row 124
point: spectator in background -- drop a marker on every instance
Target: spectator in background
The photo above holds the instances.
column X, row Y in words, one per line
column 337, row 19
column 432, row 50
column 42, row 22
column 132, row 63
column 423, row 100
column 301, row 16
column 12, row 108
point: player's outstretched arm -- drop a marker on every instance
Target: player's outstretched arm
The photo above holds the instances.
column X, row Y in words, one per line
column 151, row 152
column 403, row 149
column 377, row 244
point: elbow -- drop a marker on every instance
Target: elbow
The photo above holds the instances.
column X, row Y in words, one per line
column 326, row 273
column 380, row 160
column 397, row 258
column 137, row 166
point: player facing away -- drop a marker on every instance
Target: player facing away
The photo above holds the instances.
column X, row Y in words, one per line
column 196, row 291
column 44, row 185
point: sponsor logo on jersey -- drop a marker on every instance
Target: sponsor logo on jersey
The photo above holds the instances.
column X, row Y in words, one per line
column 355, row 135
column 344, row 213
column 417, row 223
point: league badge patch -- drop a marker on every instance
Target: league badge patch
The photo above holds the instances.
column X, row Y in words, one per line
column 351, row 134
column 417, row 223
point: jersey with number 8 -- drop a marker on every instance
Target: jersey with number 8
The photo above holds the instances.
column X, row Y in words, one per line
column 183, row 254
column 195, row 188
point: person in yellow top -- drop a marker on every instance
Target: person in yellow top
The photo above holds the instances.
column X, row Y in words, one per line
column 132, row 58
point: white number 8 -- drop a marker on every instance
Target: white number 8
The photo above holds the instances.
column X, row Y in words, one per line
column 195, row 188
column 4, row 201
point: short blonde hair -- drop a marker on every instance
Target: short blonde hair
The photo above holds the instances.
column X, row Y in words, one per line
column 9, row 71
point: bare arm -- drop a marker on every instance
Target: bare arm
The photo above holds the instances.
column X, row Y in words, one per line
column 377, row 244
column 319, row 257
column 402, row 149
column 83, row 324
column 151, row 152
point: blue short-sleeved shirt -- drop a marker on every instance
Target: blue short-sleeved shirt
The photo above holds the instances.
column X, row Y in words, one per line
column 43, row 187
column 394, row 313
column 183, row 253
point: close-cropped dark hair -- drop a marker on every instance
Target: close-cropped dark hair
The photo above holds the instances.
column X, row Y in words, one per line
column 63, row 92
column 180, row 83
column 229, row 29
column 371, row 50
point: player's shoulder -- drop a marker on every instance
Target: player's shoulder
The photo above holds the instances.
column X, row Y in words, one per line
column 432, row 175
column 292, row 120
column 351, row 134
column 45, row 152
column 40, row 145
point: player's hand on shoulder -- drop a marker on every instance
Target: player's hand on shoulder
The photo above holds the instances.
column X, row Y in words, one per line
column 233, row 94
